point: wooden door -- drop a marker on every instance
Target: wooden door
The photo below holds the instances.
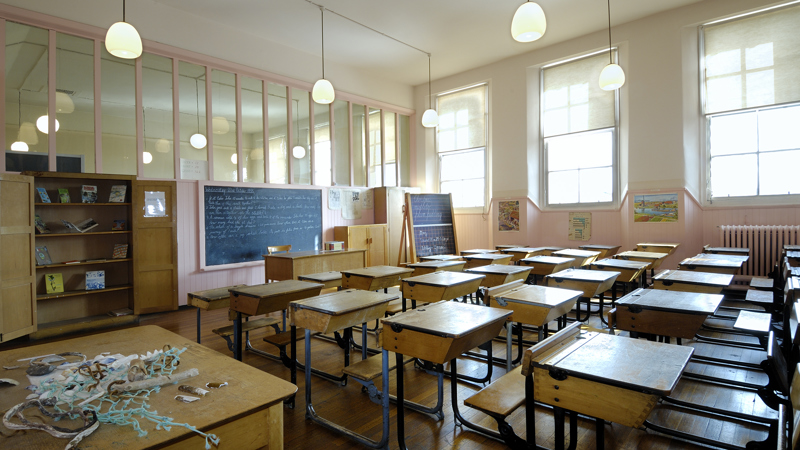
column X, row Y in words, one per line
column 17, row 271
column 155, row 246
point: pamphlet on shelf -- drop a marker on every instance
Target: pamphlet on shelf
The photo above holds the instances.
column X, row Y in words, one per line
column 63, row 195
column 82, row 226
column 95, row 260
column 120, row 251
column 41, row 227
column 54, row 283
column 118, row 225
column 95, row 279
column 88, row 194
column 117, row 193
column 43, row 195
column 43, row 256
column 120, row 312
column 74, row 261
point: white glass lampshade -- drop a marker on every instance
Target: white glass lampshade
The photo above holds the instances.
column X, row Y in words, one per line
column 198, row 141
column 123, row 41
column 147, row 157
column 612, row 77
column 220, row 125
column 64, row 103
column 41, row 124
column 235, row 158
column 323, row 92
column 162, row 146
column 528, row 23
column 430, row 119
column 19, row 146
column 27, row 134
column 299, row 151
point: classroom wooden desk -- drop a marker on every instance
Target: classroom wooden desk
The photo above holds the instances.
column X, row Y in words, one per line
column 374, row 278
column 247, row 414
column 497, row 274
column 689, row 281
column 477, row 251
column 607, row 251
column 657, row 247
column 336, row 311
column 629, row 271
column 438, row 286
column 654, row 258
column 545, row 265
column 209, row 300
column 501, row 247
column 664, row 313
column 740, row 258
column 580, row 257
column 548, row 251
column 426, row 267
column 438, row 333
column 288, row 266
column 741, row 251
column 610, row 378
column 440, row 258
column 793, row 257
column 712, row 265
column 518, row 253
column 264, row 299
column 485, row 259
column 590, row 282
column 332, row 279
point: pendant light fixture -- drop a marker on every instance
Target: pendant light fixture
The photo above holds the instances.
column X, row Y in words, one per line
column 19, row 145
column 323, row 89
column 612, row 77
column 122, row 39
column 42, row 124
column 197, row 140
column 298, row 151
column 430, row 118
column 528, row 23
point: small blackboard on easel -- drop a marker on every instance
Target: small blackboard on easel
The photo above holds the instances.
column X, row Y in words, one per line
column 429, row 225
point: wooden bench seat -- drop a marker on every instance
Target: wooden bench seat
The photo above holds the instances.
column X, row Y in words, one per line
column 753, row 322
column 502, row 397
column 250, row 325
column 762, row 283
column 759, row 297
column 372, row 367
column 281, row 340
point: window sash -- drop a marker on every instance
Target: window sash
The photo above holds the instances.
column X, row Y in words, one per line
column 578, row 183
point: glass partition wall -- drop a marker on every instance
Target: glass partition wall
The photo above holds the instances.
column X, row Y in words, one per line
column 188, row 120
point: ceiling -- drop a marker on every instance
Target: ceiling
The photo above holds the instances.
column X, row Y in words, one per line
column 459, row 35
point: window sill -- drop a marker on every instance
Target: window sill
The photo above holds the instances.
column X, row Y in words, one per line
column 764, row 200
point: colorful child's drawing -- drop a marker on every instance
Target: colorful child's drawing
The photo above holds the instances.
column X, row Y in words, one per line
column 655, row 208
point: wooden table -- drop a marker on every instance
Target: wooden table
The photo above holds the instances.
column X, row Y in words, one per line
column 545, row 265
column 606, row 251
column 438, row 286
column 590, row 282
column 332, row 279
column 683, row 280
column 518, row 253
column 484, row 259
column 629, row 271
column 288, row 266
column 611, row 378
column 426, row 267
column 657, row 247
column 209, row 300
column 438, row 333
column 497, row 274
column 264, row 299
column 713, row 265
column 741, row 251
column 665, row 313
column 477, row 251
column 580, row 257
column 374, row 278
column 440, row 258
column 336, row 311
column 246, row 414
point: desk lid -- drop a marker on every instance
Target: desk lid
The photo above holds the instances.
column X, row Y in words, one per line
column 321, row 277
column 621, row 264
column 503, row 269
column 673, row 301
column 710, row 262
column 538, row 295
column 742, row 250
column 523, row 249
column 584, row 275
column 602, row 247
column 437, row 264
column 443, row 279
column 643, row 255
column 576, row 252
column 274, row 289
column 310, row 253
column 487, row 256
column 742, row 258
column 377, row 271
column 478, row 251
column 215, row 294
column 343, row 302
column 447, row 319
column 439, row 257
column 693, row 277
column 548, row 260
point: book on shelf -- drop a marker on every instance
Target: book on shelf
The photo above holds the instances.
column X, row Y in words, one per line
column 120, row 251
column 43, row 195
column 118, row 225
column 95, row 260
column 63, row 195
column 95, row 279
column 82, row 226
column 117, row 193
column 43, row 256
column 54, row 283
column 88, row 194
column 74, row 261
column 120, row 312
column 41, row 227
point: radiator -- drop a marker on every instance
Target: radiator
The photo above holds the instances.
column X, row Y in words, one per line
column 764, row 241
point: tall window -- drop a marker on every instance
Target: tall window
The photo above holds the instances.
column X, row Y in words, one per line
column 461, row 146
column 580, row 133
column 752, row 104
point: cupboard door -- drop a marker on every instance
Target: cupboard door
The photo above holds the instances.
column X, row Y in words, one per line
column 17, row 271
column 377, row 245
column 155, row 246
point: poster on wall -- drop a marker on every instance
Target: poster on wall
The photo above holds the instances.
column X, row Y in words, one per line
column 580, row 226
column 508, row 216
column 655, row 208
column 351, row 204
column 334, row 199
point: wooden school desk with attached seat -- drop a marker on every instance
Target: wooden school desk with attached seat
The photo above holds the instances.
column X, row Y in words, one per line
column 438, row 286
column 374, row 278
column 518, row 253
column 484, row 259
column 606, row 251
column 545, row 265
column 288, row 266
column 701, row 263
column 683, row 280
column 590, row 282
column 580, row 257
column 426, row 267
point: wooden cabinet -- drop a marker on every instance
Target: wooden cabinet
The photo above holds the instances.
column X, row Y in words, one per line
column 371, row 238
column 389, row 204
column 17, row 272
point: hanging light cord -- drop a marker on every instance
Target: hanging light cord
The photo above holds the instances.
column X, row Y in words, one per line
column 322, row 14
column 609, row 33
column 197, row 101
column 123, row 10
column 430, row 98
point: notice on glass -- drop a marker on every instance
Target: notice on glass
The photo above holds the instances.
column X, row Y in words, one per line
column 334, row 199
column 580, row 226
column 155, row 204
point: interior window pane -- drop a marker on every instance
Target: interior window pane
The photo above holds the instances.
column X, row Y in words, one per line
column 734, row 134
column 278, row 113
column 562, row 187
column 778, row 173
column 359, row 146
column 157, row 104
column 733, row 176
column 580, row 151
column 118, row 107
column 404, row 150
column 390, row 146
column 75, row 98
column 252, row 130
column 375, row 147
column 341, row 120
column 223, row 125
column 779, row 129
column 462, row 165
column 596, row 185
column 193, row 135
column 301, row 153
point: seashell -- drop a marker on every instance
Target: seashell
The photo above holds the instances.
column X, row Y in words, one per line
column 32, row 387
column 11, row 367
column 38, row 370
column 186, row 398
column 216, row 385
column 192, row 390
column 137, row 371
column 8, row 381
column 52, row 359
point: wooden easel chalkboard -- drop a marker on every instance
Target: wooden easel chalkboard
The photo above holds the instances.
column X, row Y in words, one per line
column 240, row 222
column 431, row 229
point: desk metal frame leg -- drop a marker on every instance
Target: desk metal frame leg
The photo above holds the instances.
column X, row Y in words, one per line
column 237, row 337
column 198, row 325
column 558, row 415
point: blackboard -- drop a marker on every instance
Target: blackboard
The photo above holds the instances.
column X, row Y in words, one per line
column 431, row 222
column 240, row 222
